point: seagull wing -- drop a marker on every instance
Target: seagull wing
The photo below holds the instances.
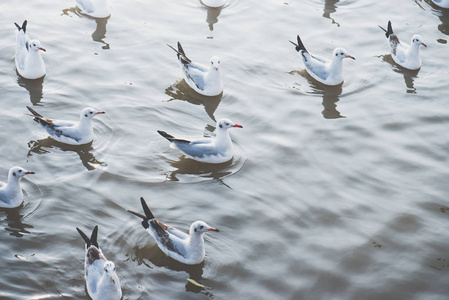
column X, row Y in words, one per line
column 316, row 65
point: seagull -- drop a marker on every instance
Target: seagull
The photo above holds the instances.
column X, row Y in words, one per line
column 205, row 81
column 328, row 72
column 441, row 3
column 101, row 280
column 183, row 247
column 214, row 3
column 405, row 55
column 95, row 8
column 68, row 132
column 214, row 151
column 11, row 194
column 29, row 62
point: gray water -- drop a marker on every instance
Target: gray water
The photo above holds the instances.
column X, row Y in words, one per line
column 333, row 193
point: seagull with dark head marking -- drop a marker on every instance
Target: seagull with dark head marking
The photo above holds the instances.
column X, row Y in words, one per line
column 405, row 55
column 69, row 132
column 11, row 194
column 29, row 62
column 211, row 150
column 328, row 72
column 204, row 80
column 185, row 248
column 101, row 280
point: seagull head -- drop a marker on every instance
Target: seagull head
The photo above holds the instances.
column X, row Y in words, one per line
column 90, row 112
column 18, row 172
column 342, row 53
column 226, row 123
column 417, row 39
column 36, row 45
column 109, row 269
column 215, row 63
column 200, row 227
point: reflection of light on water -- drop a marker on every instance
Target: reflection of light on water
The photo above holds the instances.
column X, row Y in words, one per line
column 33, row 86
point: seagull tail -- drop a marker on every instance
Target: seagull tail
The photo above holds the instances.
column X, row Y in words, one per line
column 35, row 113
column 94, row 236
column 389, row 31
column 146, row 209
column 181, row 54
column 166, row 135
column 84, row 236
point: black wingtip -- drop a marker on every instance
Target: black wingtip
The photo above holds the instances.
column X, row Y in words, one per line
column 180, row 49
column 146, row 209
column 166, row 135
column 24, row 26
column 299, row 46
column 389, row 30
column 94, row 236
column 84, row 236
column 34, row 112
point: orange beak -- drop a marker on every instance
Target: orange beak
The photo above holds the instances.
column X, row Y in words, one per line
column 237, row 125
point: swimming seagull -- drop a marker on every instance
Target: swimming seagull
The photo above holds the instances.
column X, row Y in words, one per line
column 101, row 280
column 29, row 62
column 183, row 247
column 329, row 72
column 68, row 132
column 95, row 8
column 405, row 55
column 214, row 151
column 11, row 194
column 441, row 3
column 205, row 81
column 214, row 3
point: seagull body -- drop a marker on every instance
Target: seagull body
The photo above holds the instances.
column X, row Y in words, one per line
column 205, row 81
column 329, row 72
column 29, row 62
column 11, row 194
column 183, row 247
column 441, row 3
column 68, row 132
column 95, row 8
column 101, row 280
column 214, row 3
column 405, row 55
column 215, row 151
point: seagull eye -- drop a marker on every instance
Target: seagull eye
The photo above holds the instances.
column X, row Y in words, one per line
column 91, row 112
column 201, row 227
column 34, row 45
column 227, row 124
column 336, row 54
column 14, row 173
column 341, row 53
column 85, row 115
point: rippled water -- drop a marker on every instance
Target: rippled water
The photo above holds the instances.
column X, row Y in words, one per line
column 334, row 193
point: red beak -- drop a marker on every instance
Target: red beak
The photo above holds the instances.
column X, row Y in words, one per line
column 29, row 172
column 237, row 125
column 100, row 112
column 43, row 49
column 349, row 56
column 214, row 229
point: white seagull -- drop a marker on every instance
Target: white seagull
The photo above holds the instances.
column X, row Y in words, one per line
column 441, row 3
column 205, row 81
column 11, row 194
column 95, row 8
column 405, row 55
column 183, row 247
column 214, row 151
column 68, row 132
column 329, row 72
column 29, row 62
column 101, row 280
column 214, row 3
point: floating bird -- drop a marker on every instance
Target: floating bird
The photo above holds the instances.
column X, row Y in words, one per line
column 205, row 81
column 29, row 62
column 329, row 72
column 11, row 194
column 101, row 280
column 214, row 151
column 68, row 132
column 95, row 8
column 441, row 3
column 183, row 247
column 214, row 3
column 405, row 55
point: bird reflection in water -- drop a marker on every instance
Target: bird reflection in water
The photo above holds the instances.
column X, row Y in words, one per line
column 181, row 91
column 100, row 32
column 151, row 255
column 409, row 75
column 212, row 16
column 87, row 158
column 329, row 8
column 14, row 219
column 34, row 88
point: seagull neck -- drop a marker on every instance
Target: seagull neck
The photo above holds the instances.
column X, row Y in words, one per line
column 223, row 138
column 336, row 65
column 13, row 188
column 85, row 123
column 213, row 74
column 196, row 240
column 35, row 56
column 413, row 50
